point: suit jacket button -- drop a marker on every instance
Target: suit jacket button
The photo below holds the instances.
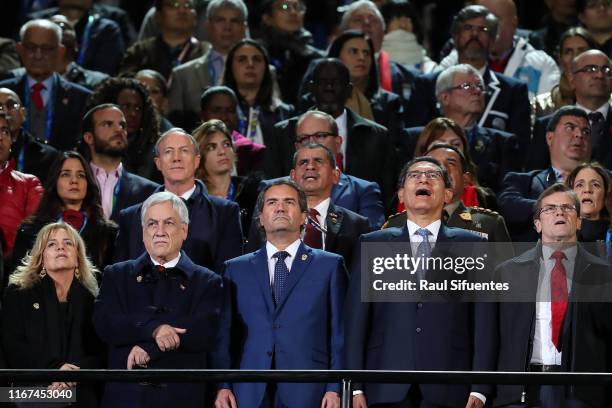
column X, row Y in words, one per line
column 419, row 305
column 418, row 329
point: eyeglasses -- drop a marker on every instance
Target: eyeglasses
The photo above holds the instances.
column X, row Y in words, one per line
column 287, row 7
column 9, row 106
column 553, row 208
column 469, row 86
column 314, row 138
column 592, row 69
column 43, row 48
column 468, row 28
column 429, row 175
column 188, row 5
column 5, row 133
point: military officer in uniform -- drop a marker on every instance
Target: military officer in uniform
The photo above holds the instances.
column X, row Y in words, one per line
column 482, row 221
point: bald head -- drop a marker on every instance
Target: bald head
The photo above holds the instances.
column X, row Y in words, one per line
column 505, row 11
column 592, row 86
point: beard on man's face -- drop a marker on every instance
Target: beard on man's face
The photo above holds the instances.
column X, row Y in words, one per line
column 105, row 148
column 474, row 50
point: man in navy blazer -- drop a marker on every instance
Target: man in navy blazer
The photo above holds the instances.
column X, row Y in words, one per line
column 104, row 144
column 460, row 93
column 159, row 311
column 418, row 336
column 286, row 301
column 568, row 137
column 215, row 234
column 507, row 101
column 593, row 94
column 367, row 149
column 54, row 106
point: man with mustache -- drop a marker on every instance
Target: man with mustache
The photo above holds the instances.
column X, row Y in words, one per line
column 568, row 137
column 105, row 143
column 474, row 30
column 286, row 301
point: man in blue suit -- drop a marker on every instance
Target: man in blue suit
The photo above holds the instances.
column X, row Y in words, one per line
column 568, row 136
column 159, row 311
column 104, row 144
column 419, row 336
column 53, row 105
column 215, row 234
column 474, row 30
column 355, row 194
column 286, row 309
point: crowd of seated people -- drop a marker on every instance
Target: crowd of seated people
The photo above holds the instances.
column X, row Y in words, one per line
column 201, row 194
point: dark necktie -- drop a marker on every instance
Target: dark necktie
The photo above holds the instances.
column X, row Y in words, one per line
column 36, row 95
column 313, row 237
column 558, row 297
column 160, row 269
column 281, row 272
column 597, row 127
column 423, row 250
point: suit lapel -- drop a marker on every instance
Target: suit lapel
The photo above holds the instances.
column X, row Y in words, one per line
column 351, row 145
column 494, row 89
column 201, row 71
column 259, row 260
column 303, row 257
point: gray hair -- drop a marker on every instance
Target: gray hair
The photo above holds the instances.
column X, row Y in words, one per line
column 475, row 11
column 42, row 23
column 162, row 197
column 350, row 9
column 445, row 79
column 215, row 5
column 168, row 132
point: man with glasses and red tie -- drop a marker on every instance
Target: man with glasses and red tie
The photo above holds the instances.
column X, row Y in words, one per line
column 286, row 301
column 406, row 335
column 565, row 325
column 54, row 106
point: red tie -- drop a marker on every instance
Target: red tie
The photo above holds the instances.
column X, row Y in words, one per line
column 36, row 96
column 160, row 268
column 340, row 161
column 313, row 237
column 558, row 297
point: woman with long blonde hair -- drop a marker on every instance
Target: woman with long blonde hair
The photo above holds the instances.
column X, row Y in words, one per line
column 47, row 311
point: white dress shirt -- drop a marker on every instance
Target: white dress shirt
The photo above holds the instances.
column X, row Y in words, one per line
column 170, row 264
column 543, row 350
column 323, row 208
column 187, row 194
column 271, row 250
column 106, row 183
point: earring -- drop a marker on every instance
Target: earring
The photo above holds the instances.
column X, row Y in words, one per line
column 77, row 273
column 42, row 273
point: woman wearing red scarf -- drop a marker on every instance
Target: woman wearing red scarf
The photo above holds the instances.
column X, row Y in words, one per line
column 72, row 196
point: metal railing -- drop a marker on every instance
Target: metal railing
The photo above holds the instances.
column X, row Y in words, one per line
column 346, row 377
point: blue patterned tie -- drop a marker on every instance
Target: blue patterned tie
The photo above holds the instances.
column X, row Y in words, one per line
column 281, row 272
column 423, row 250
